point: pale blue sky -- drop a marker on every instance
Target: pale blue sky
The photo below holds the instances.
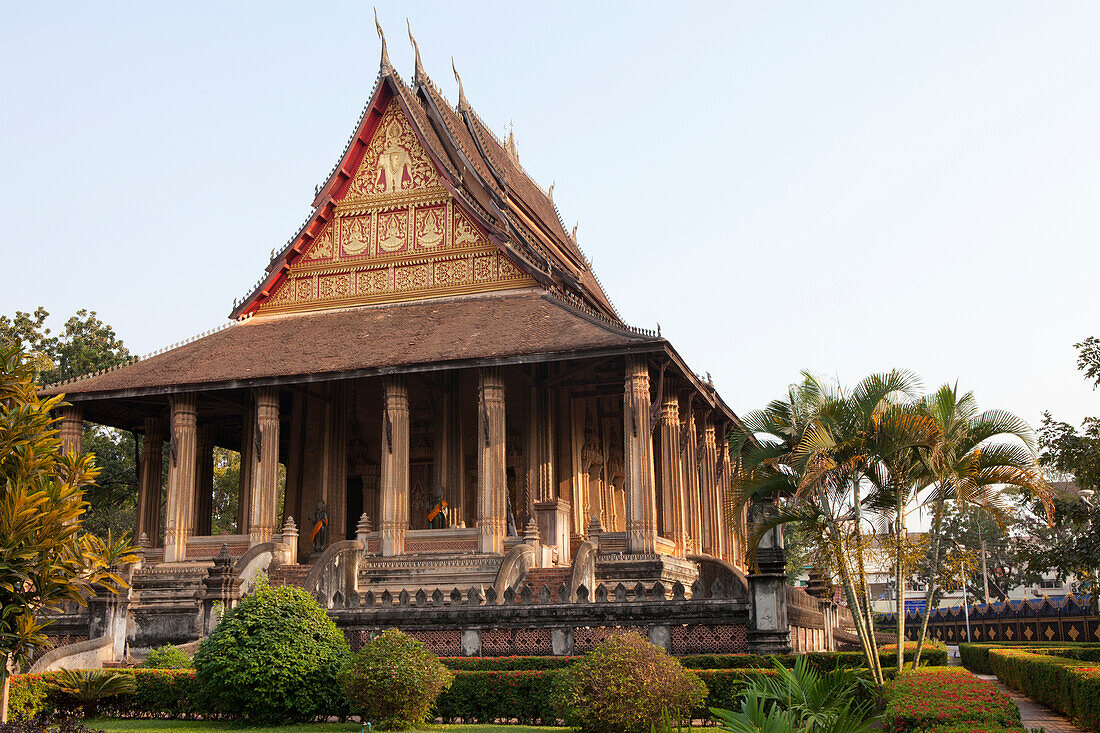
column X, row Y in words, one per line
column 843, row 187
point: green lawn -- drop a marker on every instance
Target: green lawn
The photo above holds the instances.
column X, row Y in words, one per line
column 188, row 726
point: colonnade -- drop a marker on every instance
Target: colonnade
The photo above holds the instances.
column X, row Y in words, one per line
column 673, row 475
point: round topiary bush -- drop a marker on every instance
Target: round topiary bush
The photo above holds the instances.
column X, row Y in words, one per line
column 393, row 681
column 275, row 657
column 626, row 685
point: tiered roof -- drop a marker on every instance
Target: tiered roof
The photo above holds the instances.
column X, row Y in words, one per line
column 481, row 173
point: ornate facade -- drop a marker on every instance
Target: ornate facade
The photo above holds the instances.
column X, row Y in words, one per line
column 433, row 369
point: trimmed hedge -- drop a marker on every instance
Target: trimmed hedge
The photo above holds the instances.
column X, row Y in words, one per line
column 159, row 693
column 26, row 697
column 500, row 696
column 931, row 656
column 975, row 655
column 934, row 699
column 1070, row 686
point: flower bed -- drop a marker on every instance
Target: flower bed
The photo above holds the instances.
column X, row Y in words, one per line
column 1070, row 686
column 948, row 698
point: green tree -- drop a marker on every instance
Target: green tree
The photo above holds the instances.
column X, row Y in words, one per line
column 46, row 558
column 806, row 460
column 977, row 456
column 85, row 344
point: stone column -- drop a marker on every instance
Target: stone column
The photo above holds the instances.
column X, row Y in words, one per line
column 690, row 478
column 265, row 466
column 708, row 456
column 395, row 466
column 248, row 460
column 71, row 429
column 149, row 494
column 668, row 425
column 204, row 483
column 728, row 535
column 491, row 469
column 641, row 498
column 182, row 463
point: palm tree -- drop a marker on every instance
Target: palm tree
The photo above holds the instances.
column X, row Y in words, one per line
column 966, row 466
column 806, row 459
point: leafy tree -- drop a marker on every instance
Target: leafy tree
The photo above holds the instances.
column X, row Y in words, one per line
column 85, row 344
column 227, row 480
column 806, row 460
column 1070, row 545
column 977, row 455
column 46, row 558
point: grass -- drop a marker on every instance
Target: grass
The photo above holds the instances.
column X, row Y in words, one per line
column 194, row 726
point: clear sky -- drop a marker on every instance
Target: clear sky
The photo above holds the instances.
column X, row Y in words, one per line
column 840, row 187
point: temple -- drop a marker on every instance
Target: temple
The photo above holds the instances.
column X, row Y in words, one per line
column 429, row 389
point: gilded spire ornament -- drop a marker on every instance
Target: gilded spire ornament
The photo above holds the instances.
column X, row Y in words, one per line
column 418, row 72
column 385, row 65
column 462, row 105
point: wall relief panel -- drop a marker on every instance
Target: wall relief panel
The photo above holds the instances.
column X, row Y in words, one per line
column 397, row 235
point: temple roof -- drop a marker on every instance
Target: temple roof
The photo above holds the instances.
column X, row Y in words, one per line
column 482, row 173
column 509, row 327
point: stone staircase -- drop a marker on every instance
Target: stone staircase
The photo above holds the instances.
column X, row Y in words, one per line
column 289, row 575
column 552, row 578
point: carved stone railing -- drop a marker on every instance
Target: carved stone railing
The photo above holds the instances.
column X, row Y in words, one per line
column 524, row 620
column 334, row 579
column 513, row 569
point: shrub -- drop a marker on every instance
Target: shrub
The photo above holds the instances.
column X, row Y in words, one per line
column 947, row 697
column 166, row 657
column 275, row 657
column 393, row 681
column 88, row 686
column 802, row 699
column 624, row 685
column 38, row 725
column 26, row 697
column 1067, row 685
column 492, row 664
column 527, row 697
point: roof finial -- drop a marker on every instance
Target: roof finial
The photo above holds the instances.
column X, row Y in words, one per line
column 574, row 237
column 461, row 95
column 550, row 191
column 418, row 72
column 511, row 143
column 385, row 66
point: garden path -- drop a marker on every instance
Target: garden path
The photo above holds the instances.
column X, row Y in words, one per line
column 1033, row 714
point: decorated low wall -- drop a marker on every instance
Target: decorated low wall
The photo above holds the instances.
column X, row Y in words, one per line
column 1067, row 619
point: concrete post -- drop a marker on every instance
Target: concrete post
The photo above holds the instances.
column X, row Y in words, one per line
column 181, row 477
column 149, row 495
column 265, row 466
column 641, row 498
column 690, row 479
column 668, row 425
column 204, row 482
column 492, row 471
column 395, row 466
column 769, row 631
column 71, row 429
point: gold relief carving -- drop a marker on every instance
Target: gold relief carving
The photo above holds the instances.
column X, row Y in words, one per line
column 452, row 272
column 508, row 269
column 322, row 246
column 327, row 288
column 375, row 281
column 412, row 277
column 484, row 271
column 285, row 294
column 393, row 161
column 303, row 289
column 393, row 231
column 430, row 224
column 465, row 231
column 356, row 235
